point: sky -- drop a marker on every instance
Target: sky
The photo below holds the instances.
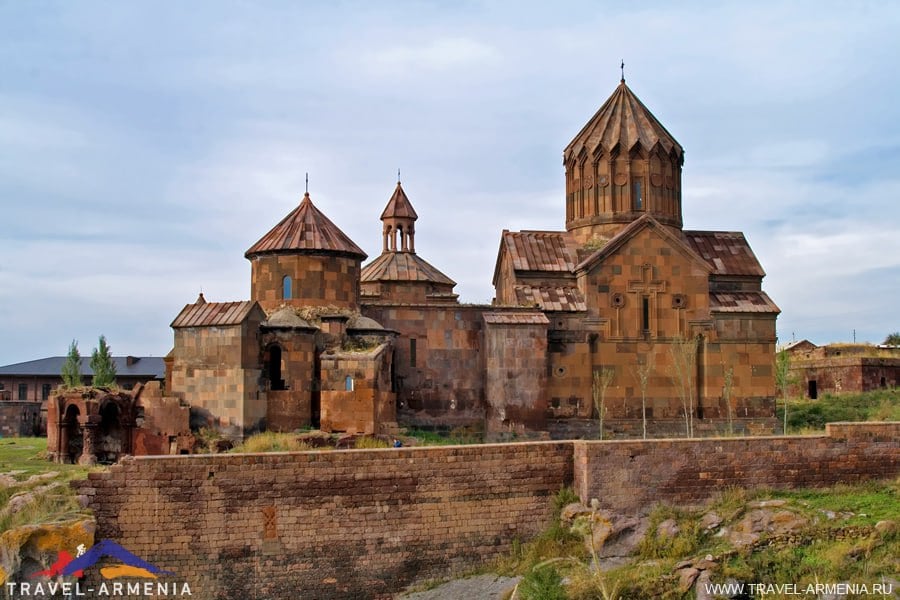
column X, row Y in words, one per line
column 144, row 146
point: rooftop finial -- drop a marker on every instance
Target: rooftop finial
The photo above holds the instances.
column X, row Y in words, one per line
column 622, row 66
column 307, row 183
column 398, row 175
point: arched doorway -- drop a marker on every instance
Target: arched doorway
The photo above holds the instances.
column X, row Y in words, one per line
column 110, row 438
column 72, row 441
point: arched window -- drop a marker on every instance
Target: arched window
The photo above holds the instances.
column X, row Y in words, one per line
column 286, row 287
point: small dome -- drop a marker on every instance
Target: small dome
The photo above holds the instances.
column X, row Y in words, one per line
column 286, row 318
column 361, row 323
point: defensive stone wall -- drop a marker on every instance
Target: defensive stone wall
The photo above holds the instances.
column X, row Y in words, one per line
column 364, row 523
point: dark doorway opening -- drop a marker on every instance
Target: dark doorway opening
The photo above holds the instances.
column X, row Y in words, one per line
column 73, row 436
column 813, row 390
column 883, row 382
column 110, row 441
column 274, row 370
column 315, row 397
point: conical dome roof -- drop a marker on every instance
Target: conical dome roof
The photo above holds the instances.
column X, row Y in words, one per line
column 399, row 206
column 305, row 229
column 623, row 120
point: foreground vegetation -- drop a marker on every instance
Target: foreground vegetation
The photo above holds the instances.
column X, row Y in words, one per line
column 848, row 534
column 805, row 415
column 33, row 490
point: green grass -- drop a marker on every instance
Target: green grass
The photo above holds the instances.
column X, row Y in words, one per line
column 269, row 441
column 24, row 458
column 845, row 547
column 455, row 437
column 812, row 415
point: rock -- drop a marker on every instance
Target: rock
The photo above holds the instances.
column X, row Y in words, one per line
column 667, row 529
column 572, row 511
column 600, row 529
column 41, row 477
column 702, row 587
column 885, row 528
column 488, row 587
column 710, row 521
column 347, row 441
column 316, row 439
column 223, row 446
column 748, row 530
column 684, row 564
column 23, row 499
column 766, row 503
column 686, row 578
column 706, row 563
column 829, row 514
column 7, row 481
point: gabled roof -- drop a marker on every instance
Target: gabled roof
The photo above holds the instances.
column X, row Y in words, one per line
column 551, row 298
column 643, row 222
column 742, row 302
column 214, row 314
column 548, row 251
column 126, row 366
column 399, row 206
column 727, row 252
column 622, row 121
column 305, row 229
column 402, row 266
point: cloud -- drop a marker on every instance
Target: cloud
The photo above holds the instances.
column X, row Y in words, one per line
column 435, row 56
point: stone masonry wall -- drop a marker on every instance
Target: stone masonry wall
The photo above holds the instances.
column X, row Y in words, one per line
column 349, row 524
column 365, row 523
column 627, row 476
column 20, row 419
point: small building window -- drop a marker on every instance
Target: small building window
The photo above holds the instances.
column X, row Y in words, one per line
column 23, row 391
column 645, row 313
column 412, row 352
column 45, row 391
column 287, row 288
column 638, row 198
column 348, row 383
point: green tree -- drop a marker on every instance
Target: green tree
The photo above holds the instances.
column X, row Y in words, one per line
column 102, row 365
column 783, row 380
column 892, row 339
column 71, row 369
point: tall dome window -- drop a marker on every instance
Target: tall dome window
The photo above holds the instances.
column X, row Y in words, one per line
column 287, row 287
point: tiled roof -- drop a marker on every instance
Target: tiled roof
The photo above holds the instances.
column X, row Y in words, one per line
column 551, row 298
column 726, row 251
column 305, row 229
column 399, row 206
column 126, row 366
column 623, row 121
column 540, row 250
column 742, row 302
column 516, row 318
column 402, row 266
column 206, row 314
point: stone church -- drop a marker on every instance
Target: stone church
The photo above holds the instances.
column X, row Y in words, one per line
column 623, row 313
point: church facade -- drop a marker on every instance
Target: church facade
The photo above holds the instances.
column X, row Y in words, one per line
column 623, row 315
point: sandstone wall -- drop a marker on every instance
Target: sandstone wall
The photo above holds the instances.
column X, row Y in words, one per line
column 20, row 419
column 627, row 476
column 350, row 524
column 364, row 523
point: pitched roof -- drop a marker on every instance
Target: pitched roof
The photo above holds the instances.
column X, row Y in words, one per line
column 126, row 366
column 742, row 302
column 516, row 318
column 208, row 314
column 305, row 229
column 553, row 251
column 632, row 229
column 402, row 266
column 399, row 206
column 624, row 121
column 551, row 298
column 726, row 251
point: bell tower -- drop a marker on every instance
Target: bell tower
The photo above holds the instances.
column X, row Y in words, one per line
column 399, row 222
column 621, row 165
